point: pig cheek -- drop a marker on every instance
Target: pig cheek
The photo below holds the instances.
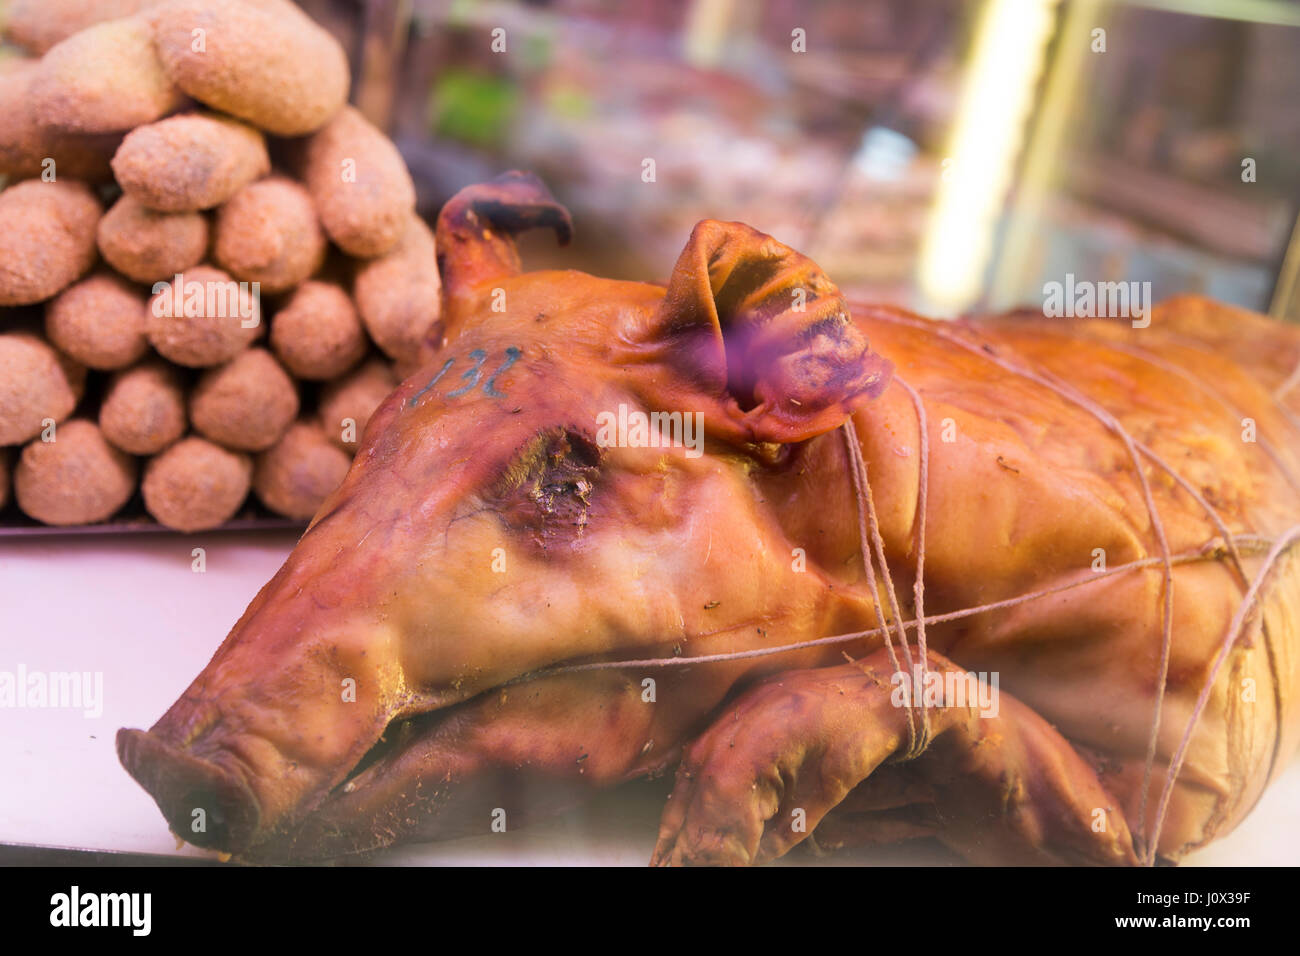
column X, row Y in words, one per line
column 482, row 609
column 595, row 729
column 588, row 728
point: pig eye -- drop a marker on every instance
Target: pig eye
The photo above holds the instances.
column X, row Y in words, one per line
column 549, row 485
column 548, row 493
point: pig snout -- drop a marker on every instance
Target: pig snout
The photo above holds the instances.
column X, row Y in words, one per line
column 208, row 805
column 304, row 685
column 228, row 769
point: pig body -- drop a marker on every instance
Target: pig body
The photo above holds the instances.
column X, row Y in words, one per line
column 500, row 609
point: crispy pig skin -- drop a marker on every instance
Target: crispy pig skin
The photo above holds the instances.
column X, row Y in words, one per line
column 485, row 534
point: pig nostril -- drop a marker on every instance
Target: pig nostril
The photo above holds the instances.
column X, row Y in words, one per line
column 208, row 818
column 204, row 804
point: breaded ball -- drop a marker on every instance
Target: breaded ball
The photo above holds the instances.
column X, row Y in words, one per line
column 360, row 184
column 295, row 475
column 105, row 79
column 317, row 334
column 246, row 404
column 399, row 295
column 191, row 161
column 195, row 485
column 346, row 405
column 36, row 25
column 269, row 233
column 99, row 321
column 143, row 410
column 4, row 477
column 272, row 66
column 28, row 149
column 150, row 246
column 36, row 383
column 78, row 478
column 208, row 320
column 23, row 141
column 47, row 238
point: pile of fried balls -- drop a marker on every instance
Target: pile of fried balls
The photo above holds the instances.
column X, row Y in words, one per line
column 210, row 264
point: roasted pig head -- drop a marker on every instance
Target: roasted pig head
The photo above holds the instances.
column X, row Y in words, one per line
column 576, row 474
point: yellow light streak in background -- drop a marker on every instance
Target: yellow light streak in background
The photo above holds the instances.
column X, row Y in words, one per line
column 998, row 92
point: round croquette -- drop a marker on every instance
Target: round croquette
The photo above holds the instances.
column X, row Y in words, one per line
column 205, row 319
column 47, row 238
column 195, row 485
column 346, row 405
column 23, row 141
column 269, row 233
column 143, row 410
column 360, row 185
column 36, row 383
column 317, row 333
column 36, row 25
column 99, row 321
column 399, row 295
column 105, row 79
column 28, row 149
column 295, row 475
column 189, row 162
column 246, row 404
column 150, row 246
column 272, row 66
column 78, row 478
column 4, row 477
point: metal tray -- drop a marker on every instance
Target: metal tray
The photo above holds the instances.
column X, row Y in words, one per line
column 134, row 519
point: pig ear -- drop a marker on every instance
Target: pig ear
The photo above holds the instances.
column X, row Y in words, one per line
column 763, row 337
column 477, row 228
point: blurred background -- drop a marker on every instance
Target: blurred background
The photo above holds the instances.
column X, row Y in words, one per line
column 950, row 156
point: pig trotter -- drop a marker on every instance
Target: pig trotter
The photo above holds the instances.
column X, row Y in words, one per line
column 1002, row 789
